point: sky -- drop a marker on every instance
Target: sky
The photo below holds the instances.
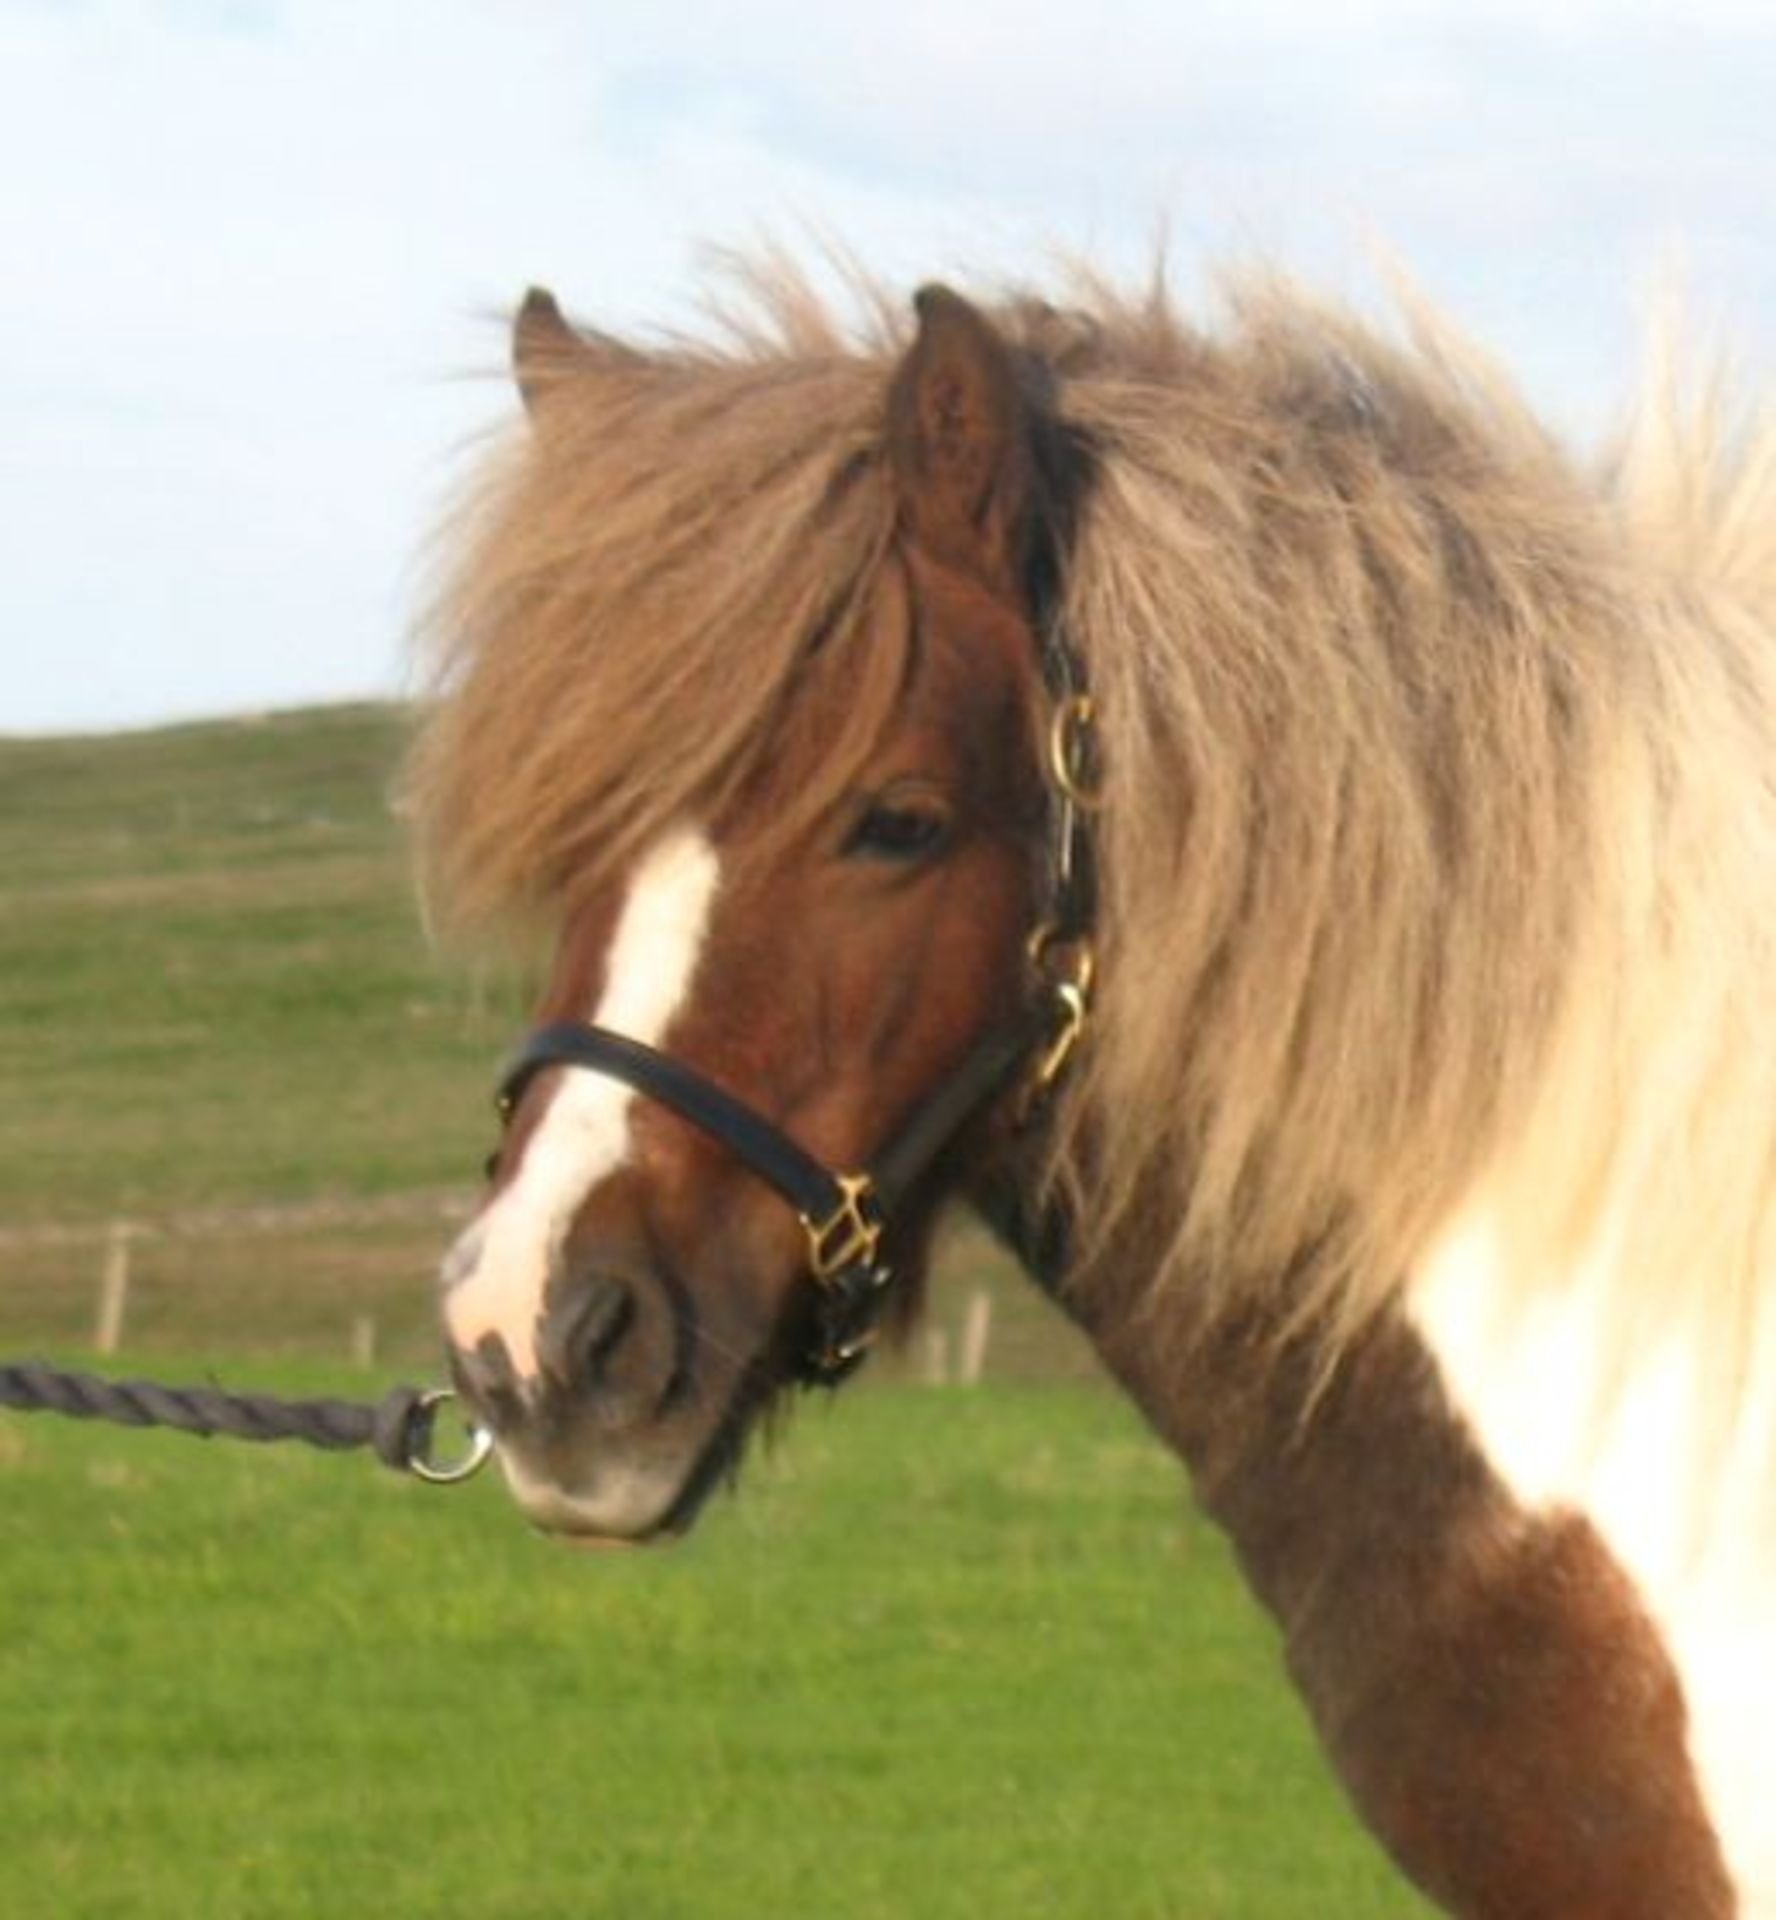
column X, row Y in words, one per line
column 257, row 252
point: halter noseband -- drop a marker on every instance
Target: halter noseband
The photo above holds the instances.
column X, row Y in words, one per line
column 845, row 1214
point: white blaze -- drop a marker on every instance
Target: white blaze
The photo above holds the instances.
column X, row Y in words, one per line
column 498, row 1271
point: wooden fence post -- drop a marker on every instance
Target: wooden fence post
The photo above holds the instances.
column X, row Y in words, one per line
column 363, row 1341
column 114, row 1285
column 975, row 1331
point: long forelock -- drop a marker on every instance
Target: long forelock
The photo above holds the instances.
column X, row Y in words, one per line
column 673, row 561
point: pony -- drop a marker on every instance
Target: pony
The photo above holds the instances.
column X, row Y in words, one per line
column 1241, row 806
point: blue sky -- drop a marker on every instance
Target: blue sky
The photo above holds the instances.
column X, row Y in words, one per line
column 254, row 247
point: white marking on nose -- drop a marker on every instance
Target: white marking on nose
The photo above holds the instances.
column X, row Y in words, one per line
column 504, row 1259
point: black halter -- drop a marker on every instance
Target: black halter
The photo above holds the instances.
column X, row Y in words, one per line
column 845, row 1215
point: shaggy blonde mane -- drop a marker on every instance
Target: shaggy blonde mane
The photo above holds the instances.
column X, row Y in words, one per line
column 1440, row 839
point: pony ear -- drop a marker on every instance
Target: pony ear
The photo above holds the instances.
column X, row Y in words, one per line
column 960, row 440
column 544, row 346
column 546, row 349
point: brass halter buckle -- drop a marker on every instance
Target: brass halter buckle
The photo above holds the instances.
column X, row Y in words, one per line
column 850, row 1235
column 842, row 1255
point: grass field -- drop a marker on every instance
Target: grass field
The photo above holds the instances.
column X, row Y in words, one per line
column 951, row 1653
column 954, row 1652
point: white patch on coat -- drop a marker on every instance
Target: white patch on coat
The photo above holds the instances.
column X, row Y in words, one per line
column 1670, row 1467
column 497, row 1273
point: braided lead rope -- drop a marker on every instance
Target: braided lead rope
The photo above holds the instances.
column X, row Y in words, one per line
column 399, row 1427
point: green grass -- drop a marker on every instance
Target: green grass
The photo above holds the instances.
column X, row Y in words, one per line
column 951, row 1653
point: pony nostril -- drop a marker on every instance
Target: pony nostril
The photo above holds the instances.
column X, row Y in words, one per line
column 583, row 1328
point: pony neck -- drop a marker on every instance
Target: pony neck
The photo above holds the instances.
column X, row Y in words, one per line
column 1397, row 1566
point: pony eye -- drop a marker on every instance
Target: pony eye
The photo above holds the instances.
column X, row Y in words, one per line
column 900, row 831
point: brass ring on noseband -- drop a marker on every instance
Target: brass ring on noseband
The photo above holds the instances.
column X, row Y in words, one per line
column 850, row 1234
column 423, row 1464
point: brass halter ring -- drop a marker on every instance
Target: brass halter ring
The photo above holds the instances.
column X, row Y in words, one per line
column 1072, row 755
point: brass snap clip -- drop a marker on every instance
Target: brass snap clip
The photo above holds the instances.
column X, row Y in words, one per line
column 1068, row 966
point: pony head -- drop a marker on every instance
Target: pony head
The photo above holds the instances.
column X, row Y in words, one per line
column 819, row 909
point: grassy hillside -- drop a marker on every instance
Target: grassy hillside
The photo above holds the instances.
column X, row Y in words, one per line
column 213, row 988
column 215, row 999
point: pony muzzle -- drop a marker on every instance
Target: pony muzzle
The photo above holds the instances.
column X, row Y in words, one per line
column 597, row 1421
